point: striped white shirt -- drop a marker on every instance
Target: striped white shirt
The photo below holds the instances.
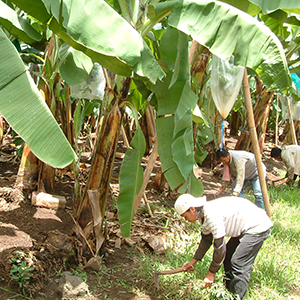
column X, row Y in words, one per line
column 233, row 216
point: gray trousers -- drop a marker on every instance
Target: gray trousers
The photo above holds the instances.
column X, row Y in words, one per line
column 240, row 255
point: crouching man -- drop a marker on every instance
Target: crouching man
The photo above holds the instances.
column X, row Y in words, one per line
column 247, row 226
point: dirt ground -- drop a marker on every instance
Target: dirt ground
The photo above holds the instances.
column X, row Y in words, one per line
column 26, row 228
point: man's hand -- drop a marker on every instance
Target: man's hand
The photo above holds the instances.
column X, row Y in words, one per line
column 209, row 280
column 190, row 266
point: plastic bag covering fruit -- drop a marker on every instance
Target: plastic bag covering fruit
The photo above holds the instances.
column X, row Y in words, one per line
column 295, row 107
column 93, row 87
column 225, row 82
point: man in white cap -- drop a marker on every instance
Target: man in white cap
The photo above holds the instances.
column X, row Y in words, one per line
column 247, row 226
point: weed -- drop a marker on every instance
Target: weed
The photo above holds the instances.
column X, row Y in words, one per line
column 14, row 295
column 20, row 272
column 78, row 272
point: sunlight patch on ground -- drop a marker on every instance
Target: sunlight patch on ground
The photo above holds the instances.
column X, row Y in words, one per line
column 15, row 237
column 45, row 213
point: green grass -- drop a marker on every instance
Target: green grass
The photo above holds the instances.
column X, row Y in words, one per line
column 275, row 274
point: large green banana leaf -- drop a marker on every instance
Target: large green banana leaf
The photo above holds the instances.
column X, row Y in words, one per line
column 269, row 6
column 97, row 30
column 165, row 127
column 17, row 26
column 131, row 181
column 176, row 153
column 75, row 65
column 25, row 110
column 278, row 22
column 244, row 5
column 226, row 30
column 176, row 101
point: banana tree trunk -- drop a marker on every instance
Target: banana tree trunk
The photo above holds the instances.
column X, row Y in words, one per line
column 31, row 169
column 28, row 171
column 261, row 115
column 66, row 117
column 234, row 123
column 46, row 178
column 147, row 123
column 102, row 162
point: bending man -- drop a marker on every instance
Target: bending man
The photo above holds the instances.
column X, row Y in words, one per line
column 242, row 165
column 246, row 225
column 290, row 155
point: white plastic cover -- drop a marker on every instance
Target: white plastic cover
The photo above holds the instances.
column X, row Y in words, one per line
column 295, row 107
column 93, row 87
column 225, row 82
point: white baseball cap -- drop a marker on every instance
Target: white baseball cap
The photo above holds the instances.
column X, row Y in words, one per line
column 185, row 201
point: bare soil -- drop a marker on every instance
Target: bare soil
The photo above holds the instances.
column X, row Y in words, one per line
column 24, row 228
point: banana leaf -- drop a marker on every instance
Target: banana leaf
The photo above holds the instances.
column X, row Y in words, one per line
column 192, row 186
column 175, row 132
column 165, row 127
column 18, row 26
column 226, row 30
column 97, row 30
column 76, row 66
column 131, row 180
column 244, row 5
column 269, row 6
column 25, row 110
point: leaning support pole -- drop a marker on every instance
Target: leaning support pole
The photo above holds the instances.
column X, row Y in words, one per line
column 255, row 144
column 291, row 121
column 276, row 124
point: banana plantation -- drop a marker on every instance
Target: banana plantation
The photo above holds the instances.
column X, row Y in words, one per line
column 166, row 80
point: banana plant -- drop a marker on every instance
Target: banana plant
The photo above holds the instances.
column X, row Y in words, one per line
column 110, row 40
column 286, row 27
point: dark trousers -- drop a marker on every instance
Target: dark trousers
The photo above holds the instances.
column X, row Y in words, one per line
column 240, row 255
column 295, row 177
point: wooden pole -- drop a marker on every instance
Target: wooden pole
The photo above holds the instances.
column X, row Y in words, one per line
column 255, row 144
column 291, row 121
column 276, row 125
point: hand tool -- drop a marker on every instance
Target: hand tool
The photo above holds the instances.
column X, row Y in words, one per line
column 157, row 273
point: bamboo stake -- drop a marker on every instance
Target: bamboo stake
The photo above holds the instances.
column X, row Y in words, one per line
column 276, row 125
column 255, row 144
column 126, row 143
column 147, row 204
column 291, row 121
